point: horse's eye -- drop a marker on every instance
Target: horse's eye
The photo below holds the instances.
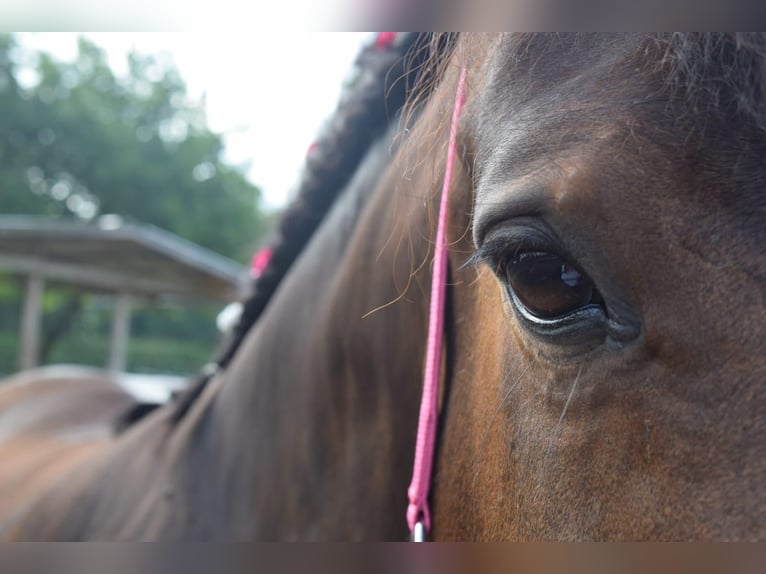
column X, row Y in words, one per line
column 548, row 286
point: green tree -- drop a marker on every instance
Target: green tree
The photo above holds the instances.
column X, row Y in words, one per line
column 77, row 141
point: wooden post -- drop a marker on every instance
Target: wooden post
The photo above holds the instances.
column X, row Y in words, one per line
column 118, row 349
column 31, row 318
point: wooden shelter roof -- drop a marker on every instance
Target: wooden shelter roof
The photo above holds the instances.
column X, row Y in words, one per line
column 135, row 259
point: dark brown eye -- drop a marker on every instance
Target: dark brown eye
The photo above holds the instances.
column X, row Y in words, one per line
column 549, row 286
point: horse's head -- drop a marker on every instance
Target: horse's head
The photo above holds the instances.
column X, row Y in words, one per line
column 605, row 360
column 604, row 369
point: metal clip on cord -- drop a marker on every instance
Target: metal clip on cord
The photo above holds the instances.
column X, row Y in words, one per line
column 419, row 532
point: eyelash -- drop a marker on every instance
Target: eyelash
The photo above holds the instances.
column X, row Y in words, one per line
column 492, row 253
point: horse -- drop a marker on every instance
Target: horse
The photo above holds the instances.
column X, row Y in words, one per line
column 603, row 374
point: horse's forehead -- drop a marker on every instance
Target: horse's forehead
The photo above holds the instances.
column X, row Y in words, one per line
column 570, row 90
column 541, row 115
column 558, row 68
column 566, row 105
column 557, row 54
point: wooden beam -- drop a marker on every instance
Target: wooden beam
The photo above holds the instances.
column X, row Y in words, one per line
column 103, row 280
column 31, row 320
column 118, row 348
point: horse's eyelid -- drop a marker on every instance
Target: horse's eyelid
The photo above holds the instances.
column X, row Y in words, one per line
column 472, row 261
column 482, row 255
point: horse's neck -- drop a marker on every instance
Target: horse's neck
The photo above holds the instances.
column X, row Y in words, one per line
column 312, row 427
column 309, row 433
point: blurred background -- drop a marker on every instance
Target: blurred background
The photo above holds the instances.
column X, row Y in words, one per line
column 119, row 150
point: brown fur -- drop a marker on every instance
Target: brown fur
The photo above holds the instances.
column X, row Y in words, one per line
column 656, row 437
column 51, row 421
column 653, row 432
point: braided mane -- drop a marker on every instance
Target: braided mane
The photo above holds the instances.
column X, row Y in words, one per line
column 383, row 78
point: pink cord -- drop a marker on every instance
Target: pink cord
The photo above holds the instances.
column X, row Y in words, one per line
column 424, row 449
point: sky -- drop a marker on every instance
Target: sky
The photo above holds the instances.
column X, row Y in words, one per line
column 267, row 93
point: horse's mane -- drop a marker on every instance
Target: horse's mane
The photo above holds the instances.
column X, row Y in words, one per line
column 718, row 71
column 718, row 74
column 383, row 79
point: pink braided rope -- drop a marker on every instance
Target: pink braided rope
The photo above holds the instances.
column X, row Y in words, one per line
column 424, row 449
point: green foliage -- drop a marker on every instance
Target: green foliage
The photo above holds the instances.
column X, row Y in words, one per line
column 80, row 142
column 166, row 338
column 76, row 141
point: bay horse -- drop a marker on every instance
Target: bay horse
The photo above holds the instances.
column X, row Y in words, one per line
column 604, row 374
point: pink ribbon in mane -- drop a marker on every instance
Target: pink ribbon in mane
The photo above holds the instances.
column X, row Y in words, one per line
column 259, row 262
